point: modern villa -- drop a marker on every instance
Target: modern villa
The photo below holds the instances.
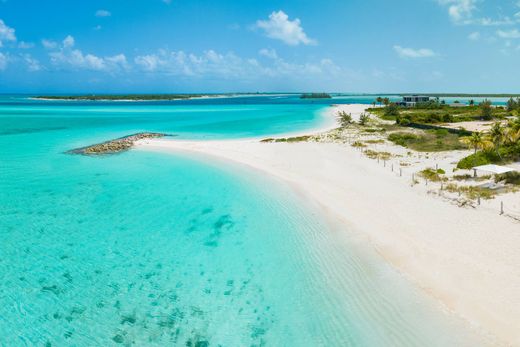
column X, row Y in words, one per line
column 412, row 100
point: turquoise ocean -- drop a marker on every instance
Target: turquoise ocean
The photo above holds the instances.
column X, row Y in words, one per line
column 154, row 249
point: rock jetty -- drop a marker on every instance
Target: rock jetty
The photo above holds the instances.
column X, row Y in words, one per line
column 115, row 146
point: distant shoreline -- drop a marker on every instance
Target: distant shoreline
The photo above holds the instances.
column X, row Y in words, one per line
column 144, row 97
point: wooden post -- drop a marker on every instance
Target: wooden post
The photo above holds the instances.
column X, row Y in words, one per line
column 501, row 207
column 400, row 172
column 392, row 167
column 478, row 200
column 384, row 163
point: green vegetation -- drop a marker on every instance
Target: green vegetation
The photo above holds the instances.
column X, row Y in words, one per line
column 509, row 177
column 358, row 144
column 116, row 97
column 433, row 175
column 363, row 119
column 428, row 141
column 316, row 96
column 435, row 112
column 471, row 192
column 377, row 155
column 462, row 95
column 345, row 119
column 500, row 146
column 303, row 138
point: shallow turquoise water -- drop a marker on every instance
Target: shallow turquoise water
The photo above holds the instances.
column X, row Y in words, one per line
column 144, row 248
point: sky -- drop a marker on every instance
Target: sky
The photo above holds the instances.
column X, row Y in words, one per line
column 173, row 46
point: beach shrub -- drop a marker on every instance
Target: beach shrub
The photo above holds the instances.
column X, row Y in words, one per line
column 432, row 174
column 345, row 119
column 447, row 118
column 375, row 141
column 358, row 144
column 462, row 177
column 428, row 141
column 378, row 155
column 509, row 177
column 476, row 159
column 486, row 110
column 402, row 138
column 392, row 110
column 363, row 119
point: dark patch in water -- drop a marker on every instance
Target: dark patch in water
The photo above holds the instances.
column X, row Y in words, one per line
column 225, row 222
column 197, row 341
column 118, row 339
column 53, row 289
column 207, row 211
column 29, row 130
column 130, row 319
column 170, row 320
column 68, row 277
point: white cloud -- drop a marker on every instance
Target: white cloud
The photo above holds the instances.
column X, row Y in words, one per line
column 3, row 61
column 33, row 65
column 474, row 36
column 25, row 45
column 103, row 13
column 269, row 53
column 459, row 10
column 48, row 44
column 211, row 64
column 67, row 57
column 279, row 27
column 509, row 34
column 6, row 33
column 68, row 42
column 414, row 53
column 492, row 22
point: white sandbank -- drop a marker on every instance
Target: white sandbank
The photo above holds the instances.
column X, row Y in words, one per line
column 469, row 259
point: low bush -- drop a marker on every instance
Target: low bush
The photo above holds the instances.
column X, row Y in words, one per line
column 509, row 177
column 432, row 174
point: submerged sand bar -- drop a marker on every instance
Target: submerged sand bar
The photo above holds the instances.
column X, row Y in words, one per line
column 468, row 259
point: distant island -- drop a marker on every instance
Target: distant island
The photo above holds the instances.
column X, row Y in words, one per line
column 316, row 96
column 126, row 97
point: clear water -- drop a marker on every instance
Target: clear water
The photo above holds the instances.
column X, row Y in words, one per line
column 150, row 249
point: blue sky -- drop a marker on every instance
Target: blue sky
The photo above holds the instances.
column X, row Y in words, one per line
column 124, row 46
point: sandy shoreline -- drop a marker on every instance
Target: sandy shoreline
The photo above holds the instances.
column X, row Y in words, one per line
column 466, row 258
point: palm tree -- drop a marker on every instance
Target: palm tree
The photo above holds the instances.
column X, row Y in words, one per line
column 386, row 101
column 379, row 100
column 497, row 135
column 477, row 140
column 512, row 135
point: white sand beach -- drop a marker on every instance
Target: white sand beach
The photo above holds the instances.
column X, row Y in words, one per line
column 467, row 258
